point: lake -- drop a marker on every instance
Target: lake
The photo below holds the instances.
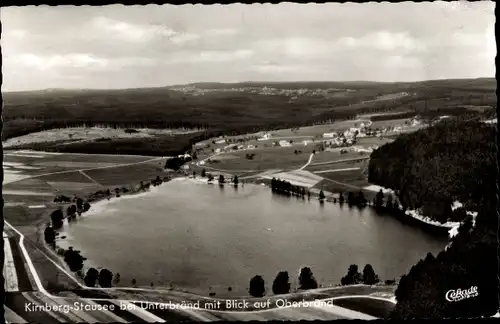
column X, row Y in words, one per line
column 195, row 236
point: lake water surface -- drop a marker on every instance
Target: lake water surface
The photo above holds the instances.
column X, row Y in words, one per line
column 195, row 236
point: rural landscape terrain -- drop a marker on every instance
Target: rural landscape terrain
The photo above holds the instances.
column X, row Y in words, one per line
column 429, row 146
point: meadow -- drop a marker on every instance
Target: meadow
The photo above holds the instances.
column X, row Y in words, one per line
column 264, row 159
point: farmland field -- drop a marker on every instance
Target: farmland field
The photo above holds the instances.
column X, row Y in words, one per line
column 126, row 175
column 328, row 156
column 270, row 158
column 369, row 141
column 354, row 177
column 338, row 166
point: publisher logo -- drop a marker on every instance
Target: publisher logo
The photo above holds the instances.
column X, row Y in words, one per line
column 455, row 295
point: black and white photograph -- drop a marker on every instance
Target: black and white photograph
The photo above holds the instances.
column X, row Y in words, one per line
column 249, row 162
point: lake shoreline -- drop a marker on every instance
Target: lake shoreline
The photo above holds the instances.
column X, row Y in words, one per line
column 99, row 205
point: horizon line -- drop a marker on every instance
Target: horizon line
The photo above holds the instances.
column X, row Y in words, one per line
column 243, row 82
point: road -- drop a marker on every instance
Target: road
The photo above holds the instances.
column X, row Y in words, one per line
column 308, row 162
column 25, row 289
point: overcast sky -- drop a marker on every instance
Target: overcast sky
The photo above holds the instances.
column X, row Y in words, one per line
column 142, row 46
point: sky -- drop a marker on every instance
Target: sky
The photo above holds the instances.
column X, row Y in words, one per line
column 118, row 46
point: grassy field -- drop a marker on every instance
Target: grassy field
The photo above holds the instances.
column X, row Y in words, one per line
column 369, row 141
column 35, row 185
column 328, row 156
column 337, row 166
column 264, row 159
column 126, row 175
column 352, row 177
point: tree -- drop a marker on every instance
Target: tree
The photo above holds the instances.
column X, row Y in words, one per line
column 57, row 217
column 73, row 259
column 257, row 287
column 210, row 177
column 321, row 195
column 91, row 277
column 79, row 203
column 194, row 174
column 86, row 206
column 221, row 179
column 71, row 210
column 306, row 279
column 281, row 284
column 379, row 199
column 369, row 276
column 203, row 173
column 116, row 279
column 49, row 235
column 351, row 200
column 361, row 200
column 353, row 276
column 105, row 278
column 235, row 180
column 389, row 203
column 341, row 197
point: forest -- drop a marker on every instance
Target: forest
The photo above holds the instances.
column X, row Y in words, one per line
column 429, row 169
column 454, row 160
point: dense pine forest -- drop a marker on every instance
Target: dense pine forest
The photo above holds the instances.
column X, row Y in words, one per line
column 455, row 160
column 429, row 169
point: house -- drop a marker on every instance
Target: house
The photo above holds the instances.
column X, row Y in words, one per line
column 240, row 147
column 250, row 147
column 217, row 150
column 221, row 141
column 284, row 143
column 328, row 135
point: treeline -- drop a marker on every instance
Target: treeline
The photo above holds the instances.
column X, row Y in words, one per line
column 433, row 167
column 402, row 115
column 285, row 187
column 306, row 280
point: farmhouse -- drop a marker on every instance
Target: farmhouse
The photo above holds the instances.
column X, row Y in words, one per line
column 221, row 141
column 217, row 150
column 328, row 135
column 250, row 147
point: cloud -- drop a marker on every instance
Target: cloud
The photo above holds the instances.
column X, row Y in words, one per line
column 14, row 33
column 221, row 32
column 272, row 68
column 211, row 56
column 149, row 32
column 382, row 41
column 132, row 32
column 76, row 60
